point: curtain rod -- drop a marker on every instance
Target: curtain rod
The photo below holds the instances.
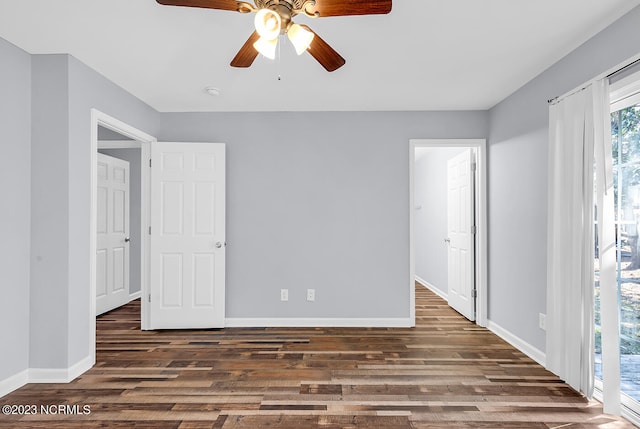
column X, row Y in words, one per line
column 621, row 69
column 610, row 75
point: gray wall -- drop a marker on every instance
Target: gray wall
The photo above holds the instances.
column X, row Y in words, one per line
column 135, row 263
column 15, row 229
column 49, row 213
column 107, row 134
column 517, row 158
column 319, row 200
column 430, row 194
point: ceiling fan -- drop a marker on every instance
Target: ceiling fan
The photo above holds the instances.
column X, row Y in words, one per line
column 275, row 17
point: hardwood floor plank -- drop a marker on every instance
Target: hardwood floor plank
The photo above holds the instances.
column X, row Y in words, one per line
column 445, row 373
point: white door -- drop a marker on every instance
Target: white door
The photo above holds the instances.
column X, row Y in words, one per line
column 112, row 255
column 461, row 234
column 187, row 255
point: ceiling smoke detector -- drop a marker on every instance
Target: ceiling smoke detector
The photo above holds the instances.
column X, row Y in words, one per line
column 212, row 91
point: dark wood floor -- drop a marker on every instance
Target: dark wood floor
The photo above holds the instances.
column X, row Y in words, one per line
column 445, row 373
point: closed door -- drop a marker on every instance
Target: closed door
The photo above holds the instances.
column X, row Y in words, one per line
column 112, row 255
column 187, row 257
column 461, row 233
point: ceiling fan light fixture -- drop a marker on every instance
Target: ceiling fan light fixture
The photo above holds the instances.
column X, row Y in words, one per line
column 267, row 23
column 300, row 37
column 266, row 47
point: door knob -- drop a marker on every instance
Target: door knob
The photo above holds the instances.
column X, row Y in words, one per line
column 127, row 239
column 218, row 244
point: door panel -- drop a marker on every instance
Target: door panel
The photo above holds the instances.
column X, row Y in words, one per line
column 187, row 258
column 101, row 273
column 461, row 237
column 112, row 254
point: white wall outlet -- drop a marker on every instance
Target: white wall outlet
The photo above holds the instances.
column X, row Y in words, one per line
column 284, row 294
column 311, row 294
column 542, row 321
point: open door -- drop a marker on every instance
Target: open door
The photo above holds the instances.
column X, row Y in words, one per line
column 112, row 248
column 187, row 246
column 461, row 233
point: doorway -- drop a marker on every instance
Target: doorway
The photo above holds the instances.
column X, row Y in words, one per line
column 115, row 134
column 121, row 147
column 118, row 235
column 432, row 208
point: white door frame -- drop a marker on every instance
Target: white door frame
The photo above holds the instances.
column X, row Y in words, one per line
column 139, row 140
column 481, row 218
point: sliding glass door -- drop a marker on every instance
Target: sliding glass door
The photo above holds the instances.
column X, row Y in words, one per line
column 625, row 133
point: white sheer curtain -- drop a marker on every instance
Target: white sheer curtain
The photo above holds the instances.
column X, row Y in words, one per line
column 579, row 133
column 570, row 296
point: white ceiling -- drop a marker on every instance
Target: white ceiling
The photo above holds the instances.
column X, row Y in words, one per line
column 424, row 55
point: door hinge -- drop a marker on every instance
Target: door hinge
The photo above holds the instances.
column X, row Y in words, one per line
column 149, row 230
column 149, row 297
column 474, row 166
column 474, row 229
column 474, row 293
column 149, row 162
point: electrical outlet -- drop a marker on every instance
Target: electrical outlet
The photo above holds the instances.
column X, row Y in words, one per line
column 284, row 294
column 311, row 294
column 542, row 321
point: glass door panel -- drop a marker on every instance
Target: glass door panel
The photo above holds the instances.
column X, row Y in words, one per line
column 625, row 129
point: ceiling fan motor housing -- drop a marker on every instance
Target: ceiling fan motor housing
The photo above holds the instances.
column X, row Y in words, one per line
column 284, row 8
column 287, row 9
column 291, row 4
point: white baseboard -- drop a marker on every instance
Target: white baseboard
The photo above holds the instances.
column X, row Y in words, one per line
column 432, row 288
column 238, row 322
column 60, row 375
column 135, row 295
column 518, row 343
column 45, row 375
column 14, row 382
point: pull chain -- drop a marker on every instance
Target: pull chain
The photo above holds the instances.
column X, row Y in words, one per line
column 279, row 60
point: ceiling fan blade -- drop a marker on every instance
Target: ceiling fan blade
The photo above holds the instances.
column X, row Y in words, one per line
column 323, row 53
column 247, row 54
column 208, row 4
column 350, row 7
